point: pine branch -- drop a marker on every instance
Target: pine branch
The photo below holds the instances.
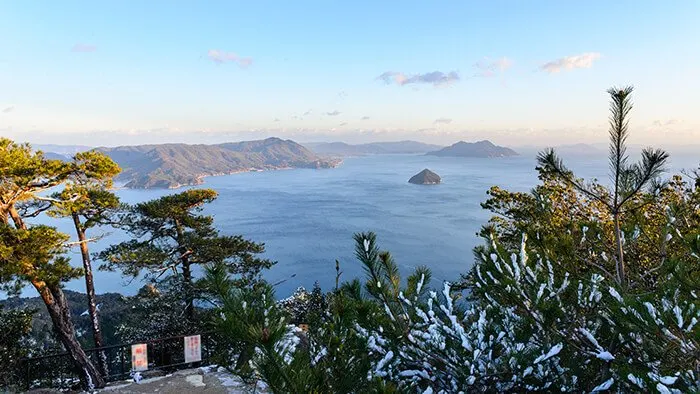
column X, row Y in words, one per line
column 549, row 160
column 620, row 107
column 652, row 165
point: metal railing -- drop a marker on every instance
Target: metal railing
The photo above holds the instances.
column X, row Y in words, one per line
column 59, row 371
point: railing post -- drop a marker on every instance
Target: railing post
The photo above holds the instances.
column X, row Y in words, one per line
column 123, row 356
column 53, row 369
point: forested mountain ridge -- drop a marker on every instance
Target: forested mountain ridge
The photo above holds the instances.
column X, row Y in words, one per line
column 175, row 165
column 483, row 148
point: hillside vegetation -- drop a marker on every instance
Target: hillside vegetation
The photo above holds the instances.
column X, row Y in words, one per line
column 175, row 165
column 483, row 148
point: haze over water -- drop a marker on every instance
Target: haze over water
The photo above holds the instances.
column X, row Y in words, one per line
column 307, row 218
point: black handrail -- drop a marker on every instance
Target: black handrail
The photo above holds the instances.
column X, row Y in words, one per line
column 163, row 353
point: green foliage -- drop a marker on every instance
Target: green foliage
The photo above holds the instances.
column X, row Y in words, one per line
column 384, row 281
column 174, row 165
column 33, row 254
column 153, row 313
column 627, row 180
column 26, row 172
column 304, row 307
column 114, row 309
column 567, row 225
column 169, row 234
column 334, row 354
column 14, row 334
column 606, row 331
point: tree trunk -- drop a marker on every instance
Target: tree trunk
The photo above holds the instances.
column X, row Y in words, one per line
column 620, row 254
column 186, row 274
column 57, row 306
column 90, row 291
column 189, row 296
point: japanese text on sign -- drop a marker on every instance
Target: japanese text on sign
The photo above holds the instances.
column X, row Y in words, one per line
column 193, row 349
column 139, row 357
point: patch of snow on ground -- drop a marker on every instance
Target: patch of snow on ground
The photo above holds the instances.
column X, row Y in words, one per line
column 195, row 380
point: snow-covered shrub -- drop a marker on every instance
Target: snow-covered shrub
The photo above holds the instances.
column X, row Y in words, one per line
column 520, row 322
column 529, row 325
column 260, row 342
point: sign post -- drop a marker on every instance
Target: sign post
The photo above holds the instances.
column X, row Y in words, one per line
column 193, row 349
column 139, row 357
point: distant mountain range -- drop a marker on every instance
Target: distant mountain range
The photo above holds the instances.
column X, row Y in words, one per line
column 175, row 165
column 569, row 150
column 474, row 149
column 65, row 150
column 375, row 148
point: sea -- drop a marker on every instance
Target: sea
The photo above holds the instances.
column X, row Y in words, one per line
column 306, row 218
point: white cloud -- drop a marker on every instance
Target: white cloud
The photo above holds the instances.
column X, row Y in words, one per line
column 85, row 48
column 584, row 60
column 488, row 67
column 220, row 57
column 668, row 122
column 436, row 78
column 8, row 109
column 443, row 121
column 333, row 113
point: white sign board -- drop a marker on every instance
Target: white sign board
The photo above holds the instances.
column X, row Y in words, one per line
column 193, row 349
column 139, row 357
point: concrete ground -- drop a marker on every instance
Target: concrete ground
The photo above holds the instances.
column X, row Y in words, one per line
column 199, row 380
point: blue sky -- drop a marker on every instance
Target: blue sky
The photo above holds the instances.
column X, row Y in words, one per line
column 516, row 72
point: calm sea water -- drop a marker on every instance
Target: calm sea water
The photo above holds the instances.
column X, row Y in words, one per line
column 307, row 218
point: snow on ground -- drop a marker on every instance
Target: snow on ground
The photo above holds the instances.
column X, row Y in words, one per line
column 210, row 379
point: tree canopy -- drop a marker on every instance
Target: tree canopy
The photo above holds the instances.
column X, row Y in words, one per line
column 171, row 236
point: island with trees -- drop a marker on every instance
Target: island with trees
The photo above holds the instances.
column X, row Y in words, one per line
column 483, row 148
column 176, row 165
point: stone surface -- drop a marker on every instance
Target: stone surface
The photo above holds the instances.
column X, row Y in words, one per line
column 200, row 380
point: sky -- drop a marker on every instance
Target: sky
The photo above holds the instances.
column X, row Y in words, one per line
column 515, row 72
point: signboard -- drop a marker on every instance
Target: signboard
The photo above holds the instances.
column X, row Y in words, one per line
column 139, row 357
column 193, row 349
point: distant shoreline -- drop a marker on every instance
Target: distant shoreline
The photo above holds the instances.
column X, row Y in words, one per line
column 201, row 178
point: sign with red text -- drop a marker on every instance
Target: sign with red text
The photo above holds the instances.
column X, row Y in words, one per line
column 193, row 349
column 139, row 357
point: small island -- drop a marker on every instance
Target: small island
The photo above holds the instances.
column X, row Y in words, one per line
column 425, row 177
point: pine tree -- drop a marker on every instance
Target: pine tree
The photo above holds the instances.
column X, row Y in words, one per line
column 87, row 201
column 171, row 236
column 33, row 254
column 627, row 179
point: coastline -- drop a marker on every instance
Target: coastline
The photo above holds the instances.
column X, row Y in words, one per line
column 200, row 179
